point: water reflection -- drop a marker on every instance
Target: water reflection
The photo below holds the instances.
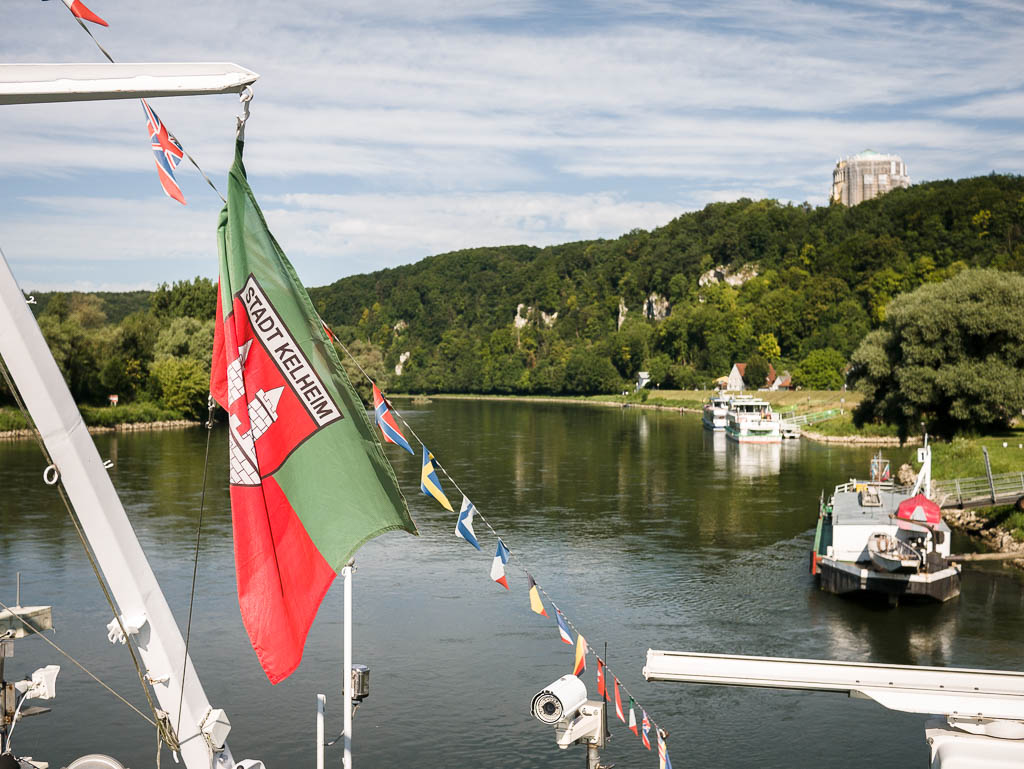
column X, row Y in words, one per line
column 649, row 530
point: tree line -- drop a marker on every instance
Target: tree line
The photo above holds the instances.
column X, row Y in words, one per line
column 794, row 286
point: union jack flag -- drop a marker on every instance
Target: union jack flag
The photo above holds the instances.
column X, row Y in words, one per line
column 167, row 152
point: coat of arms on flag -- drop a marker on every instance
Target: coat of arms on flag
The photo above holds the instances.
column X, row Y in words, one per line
column 309, row 481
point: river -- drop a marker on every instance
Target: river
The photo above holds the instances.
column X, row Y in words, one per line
column 648, row 531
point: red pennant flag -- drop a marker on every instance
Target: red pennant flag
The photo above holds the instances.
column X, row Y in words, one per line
column 600, row 678
column 618, row 702
column 81, row 11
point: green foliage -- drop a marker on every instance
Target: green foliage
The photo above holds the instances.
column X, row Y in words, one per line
column 820, row 370
column 182, row 385
column 950, row 354
column 756, row 373
column 196, row 298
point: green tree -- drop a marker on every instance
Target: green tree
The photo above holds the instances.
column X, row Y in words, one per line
column 820, row 370
column 196, row 298
column 949, row 354
column 183, row 384
column 756, row 373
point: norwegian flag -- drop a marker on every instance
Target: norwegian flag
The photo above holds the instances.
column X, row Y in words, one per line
column 81, row 11
column 645, row 729
column 167, row 152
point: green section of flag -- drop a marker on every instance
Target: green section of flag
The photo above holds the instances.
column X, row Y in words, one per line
column 338, row 481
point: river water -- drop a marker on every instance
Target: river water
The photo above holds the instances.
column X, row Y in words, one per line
column 648, row 531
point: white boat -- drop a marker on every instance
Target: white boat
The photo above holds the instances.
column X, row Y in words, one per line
column 716, row 412
column 751, row 420
column 892, row 553
column 877, row 537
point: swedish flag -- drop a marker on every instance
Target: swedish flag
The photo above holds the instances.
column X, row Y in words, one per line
column 429, row 484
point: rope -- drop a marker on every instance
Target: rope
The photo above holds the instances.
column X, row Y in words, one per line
column 195, row 562
column 80, row 666
column 163, row 729
column 187, row 154
column 520, row 562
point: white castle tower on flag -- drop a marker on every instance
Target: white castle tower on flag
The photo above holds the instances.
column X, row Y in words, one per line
column 262, row 414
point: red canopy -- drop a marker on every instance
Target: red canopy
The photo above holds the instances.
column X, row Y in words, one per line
column 919, row 508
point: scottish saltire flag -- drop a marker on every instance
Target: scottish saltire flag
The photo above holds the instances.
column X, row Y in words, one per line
column 663, row 762
column 618, row 702
column 166, row 151
column 580, row 664
column 498, row 564
column 563, row 629
column 385, row 419
column 600, row 678
column 464, row 526
column 81, row 11
column 309, row 481
column 645, row 730
column 632, row 717
column 429, row 484
column 535, row 602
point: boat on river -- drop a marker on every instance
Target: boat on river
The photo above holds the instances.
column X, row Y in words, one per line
column 876, row 536
column 751, row 420
column 716, row 412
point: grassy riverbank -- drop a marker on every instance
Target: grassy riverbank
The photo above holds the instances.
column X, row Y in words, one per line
column 100, row 416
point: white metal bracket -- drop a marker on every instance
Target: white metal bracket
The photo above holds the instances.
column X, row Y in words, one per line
column 132, row 624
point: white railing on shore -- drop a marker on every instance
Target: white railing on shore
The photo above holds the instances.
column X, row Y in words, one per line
column 962, row 491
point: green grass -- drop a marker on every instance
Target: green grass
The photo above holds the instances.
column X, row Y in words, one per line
column 842, row 426
column 100, row 416
column 1007, row 517
column 11, row 419
column 963, row 458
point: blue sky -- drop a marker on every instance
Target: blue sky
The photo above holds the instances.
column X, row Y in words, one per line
column 384, row 131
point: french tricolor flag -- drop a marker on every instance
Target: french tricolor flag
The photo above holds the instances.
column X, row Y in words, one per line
column 498, row 564
column 563, row 628
column 81, row 11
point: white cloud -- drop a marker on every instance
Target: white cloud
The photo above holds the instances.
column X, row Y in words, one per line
column 384, row 131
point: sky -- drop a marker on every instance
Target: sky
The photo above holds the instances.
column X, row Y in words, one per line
column 383, row 132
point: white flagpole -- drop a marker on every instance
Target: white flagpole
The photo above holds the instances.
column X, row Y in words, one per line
column 346, row 574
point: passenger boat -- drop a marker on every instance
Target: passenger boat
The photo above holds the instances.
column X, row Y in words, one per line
column 877, row 537
column 751, row 420
column 716, row 412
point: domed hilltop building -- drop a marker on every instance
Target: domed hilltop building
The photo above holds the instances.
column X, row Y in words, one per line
column 866, row 175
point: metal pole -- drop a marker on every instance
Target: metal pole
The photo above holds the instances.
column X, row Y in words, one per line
column 321, row 711
column 346, row 574
column 988, row 472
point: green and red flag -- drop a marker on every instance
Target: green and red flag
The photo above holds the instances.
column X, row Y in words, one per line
column 309, row 480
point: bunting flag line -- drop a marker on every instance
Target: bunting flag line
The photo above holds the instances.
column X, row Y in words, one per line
column 464, row 526
column 386, row 421
column 580, row 664
column 429, row 484
column 563, row 629
column 535, row 602
column 166, row 151
column 498, row 564
column 663, row 762
column 81, row 11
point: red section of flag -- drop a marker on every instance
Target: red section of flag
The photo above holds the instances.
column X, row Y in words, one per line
column 282, row 577
column 600, row 678
column 79, row 9
column 618, row 702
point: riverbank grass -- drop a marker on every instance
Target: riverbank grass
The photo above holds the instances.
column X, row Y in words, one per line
column 963, row 457
column 101, row 416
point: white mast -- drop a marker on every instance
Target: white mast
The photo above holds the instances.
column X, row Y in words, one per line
column 120, row 557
